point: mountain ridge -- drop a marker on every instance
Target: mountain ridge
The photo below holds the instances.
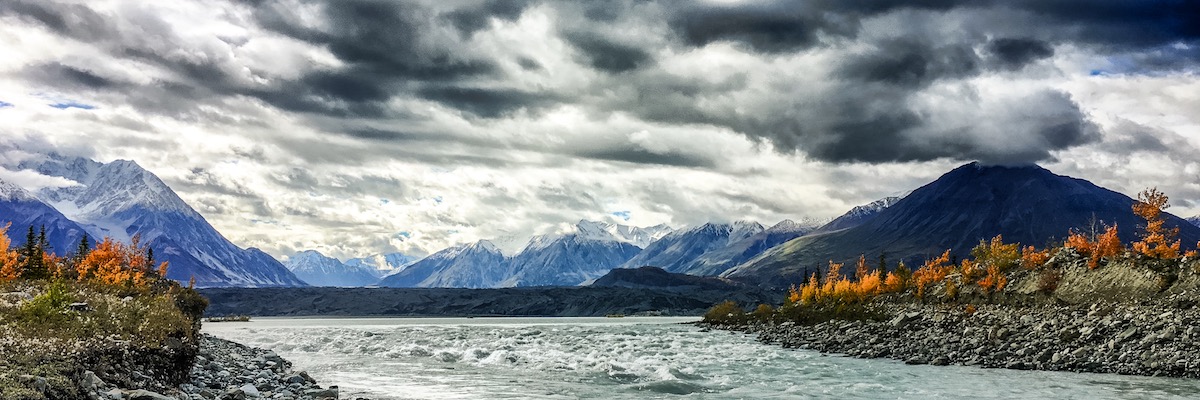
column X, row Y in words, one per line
column 1026, row 204
column 121, row 199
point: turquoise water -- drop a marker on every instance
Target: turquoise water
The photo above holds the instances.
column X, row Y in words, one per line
column 630, row 358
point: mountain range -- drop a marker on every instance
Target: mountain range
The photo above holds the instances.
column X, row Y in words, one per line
column 1194, row 220
column 1025, row 204
column 316, row 269
column 120, row 200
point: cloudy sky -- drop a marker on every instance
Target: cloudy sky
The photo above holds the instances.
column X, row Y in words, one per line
column 364, row 126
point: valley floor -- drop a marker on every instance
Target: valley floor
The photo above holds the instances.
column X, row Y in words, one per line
column 548, row 301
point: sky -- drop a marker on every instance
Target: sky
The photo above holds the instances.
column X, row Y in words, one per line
column 357, row 127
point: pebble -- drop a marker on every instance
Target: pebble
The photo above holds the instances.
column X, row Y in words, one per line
column 1129, row 339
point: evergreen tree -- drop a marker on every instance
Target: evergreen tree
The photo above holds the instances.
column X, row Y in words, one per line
column 883, row 272
column 84, row 247
column 43, row 244
column 32, row 267
column 149, row 257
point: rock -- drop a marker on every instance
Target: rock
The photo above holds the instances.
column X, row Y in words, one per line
column 39, row 383
column 250, row 390
column 90, row 382
column 146, row 395
column 905, row 319
column 331, row 393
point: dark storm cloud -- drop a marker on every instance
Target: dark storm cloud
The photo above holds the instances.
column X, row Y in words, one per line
column 869, row 108
column 76, row 21
column 1014, row 53
column 487, row 103
column 607, row 55
column 474, row 19
column 910, row 63
column 67, row 76
column 638, row 155
column 772, row 28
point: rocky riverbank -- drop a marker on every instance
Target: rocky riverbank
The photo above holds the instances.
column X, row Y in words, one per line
column 1154, row 339
column 223, row 370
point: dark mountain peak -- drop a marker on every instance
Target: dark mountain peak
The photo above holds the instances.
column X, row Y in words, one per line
column 1025, row 204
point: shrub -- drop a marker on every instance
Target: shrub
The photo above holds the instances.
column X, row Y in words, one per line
column 725, row 313
column 763, row 313
column 1033, row 259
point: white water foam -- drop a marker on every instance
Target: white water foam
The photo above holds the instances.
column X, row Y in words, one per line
column 570, row 358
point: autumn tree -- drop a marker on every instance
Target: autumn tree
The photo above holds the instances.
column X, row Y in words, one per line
column 10, row 261
column 1157, row 241
column 113, row 263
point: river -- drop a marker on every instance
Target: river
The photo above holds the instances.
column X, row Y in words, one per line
column 629, row 358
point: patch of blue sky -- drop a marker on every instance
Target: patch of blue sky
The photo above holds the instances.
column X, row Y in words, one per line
column 66, row 104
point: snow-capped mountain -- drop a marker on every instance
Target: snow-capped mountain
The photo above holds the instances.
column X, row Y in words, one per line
column 861, row 214
column 719, row 260
column 121, row 199
column 474, row 265
column 1194, row 220
column 569, row 260
column 677, row 250
column 382, row 265
column 637, row 236
column 316, row 269
column 22, row 210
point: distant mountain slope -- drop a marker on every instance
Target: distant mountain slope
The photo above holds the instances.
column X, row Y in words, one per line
column 23, row 210
column 1194, row 220
column 567, row 260
column 382, row 265
column 121, row 199
column 1025, row 204
column 475, row 265
column 858, row 215
column 717, row 261
column 316, row 269
column 654, row 277
column 677, row 250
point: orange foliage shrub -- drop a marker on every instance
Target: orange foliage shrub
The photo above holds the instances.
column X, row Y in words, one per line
column 837, row 287
column 113, row 263
column 969, row 270
column 995, row 280
column 1107, row 245
column 933, row 271
column 1033, row 259
column 1156, row 240
column 9, row 262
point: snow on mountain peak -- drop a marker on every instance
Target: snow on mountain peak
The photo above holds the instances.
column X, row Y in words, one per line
column 743, row 229
column 11, row 192
column 486, row 245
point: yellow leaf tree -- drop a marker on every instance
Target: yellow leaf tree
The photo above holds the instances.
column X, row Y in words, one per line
column 1157, row 241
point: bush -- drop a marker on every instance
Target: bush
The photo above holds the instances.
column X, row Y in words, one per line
column 48, row 307
column 725, row 313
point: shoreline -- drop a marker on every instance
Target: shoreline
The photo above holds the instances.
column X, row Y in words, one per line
column 223, row 370
column 1126, row 339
